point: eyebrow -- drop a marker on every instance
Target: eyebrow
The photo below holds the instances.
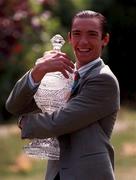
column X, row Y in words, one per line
column 90, row 31
column 75, row 30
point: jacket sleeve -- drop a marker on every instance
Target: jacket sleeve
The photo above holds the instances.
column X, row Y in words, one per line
column 20, row 100
column 98, row 98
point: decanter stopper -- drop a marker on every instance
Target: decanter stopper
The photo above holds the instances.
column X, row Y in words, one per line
column 57, row 42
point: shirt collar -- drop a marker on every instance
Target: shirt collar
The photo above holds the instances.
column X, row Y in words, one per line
column 82, row 70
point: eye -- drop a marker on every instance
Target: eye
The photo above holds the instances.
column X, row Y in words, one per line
column 93, row 34
column 76, row 33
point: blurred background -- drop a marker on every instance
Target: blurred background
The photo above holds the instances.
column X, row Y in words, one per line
column 26, row 28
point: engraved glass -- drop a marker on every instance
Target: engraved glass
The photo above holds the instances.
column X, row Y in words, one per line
column 52, row 94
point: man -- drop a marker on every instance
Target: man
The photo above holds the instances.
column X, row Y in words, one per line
column 84, row 126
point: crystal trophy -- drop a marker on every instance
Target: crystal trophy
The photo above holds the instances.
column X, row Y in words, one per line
column 52, row 94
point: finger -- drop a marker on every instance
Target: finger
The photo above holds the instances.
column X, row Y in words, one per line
column 65, row 74
column 63, row 54
column 68, row 68
column 38, row 61
column 68, row 62
column 50, row 53
column 65, row 58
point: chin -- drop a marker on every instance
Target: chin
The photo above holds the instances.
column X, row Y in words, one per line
column 83, row 60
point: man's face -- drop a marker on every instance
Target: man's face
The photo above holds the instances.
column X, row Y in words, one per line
column 86, row 39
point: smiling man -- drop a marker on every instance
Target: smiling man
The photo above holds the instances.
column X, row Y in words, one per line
column 84, row 126
column 88, row 36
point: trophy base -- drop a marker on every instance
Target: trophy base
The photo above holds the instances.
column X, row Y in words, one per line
column 40, row 153
column 43, row 149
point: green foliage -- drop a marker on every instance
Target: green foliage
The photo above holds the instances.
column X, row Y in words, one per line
column 27, row 34
column 35, row 6
column 64, row 10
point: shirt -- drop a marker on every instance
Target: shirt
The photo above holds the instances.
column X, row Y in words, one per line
column 82, row 70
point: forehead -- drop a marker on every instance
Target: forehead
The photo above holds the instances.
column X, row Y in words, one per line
column 86, row 24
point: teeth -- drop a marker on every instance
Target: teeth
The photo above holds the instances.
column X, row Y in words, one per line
column 84, row 50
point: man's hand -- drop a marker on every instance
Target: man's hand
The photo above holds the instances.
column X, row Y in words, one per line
column 52, row 61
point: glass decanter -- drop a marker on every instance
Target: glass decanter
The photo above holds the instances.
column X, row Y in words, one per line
column 52, row 94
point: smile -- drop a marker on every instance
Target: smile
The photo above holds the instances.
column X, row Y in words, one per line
column 86, row 50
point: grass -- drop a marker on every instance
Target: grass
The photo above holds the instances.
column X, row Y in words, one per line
column 124, row 142
column 14, row 165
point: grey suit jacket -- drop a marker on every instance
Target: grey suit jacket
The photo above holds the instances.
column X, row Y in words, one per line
column 83, row 127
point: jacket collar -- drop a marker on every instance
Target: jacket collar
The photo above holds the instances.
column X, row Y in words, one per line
column 96, row 65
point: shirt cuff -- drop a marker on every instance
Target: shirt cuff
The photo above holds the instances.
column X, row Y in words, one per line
column 20, row 122
column 31, row 82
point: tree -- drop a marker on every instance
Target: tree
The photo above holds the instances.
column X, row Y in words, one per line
column 23, row 38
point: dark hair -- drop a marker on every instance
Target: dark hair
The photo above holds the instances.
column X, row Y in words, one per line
column 93, row 14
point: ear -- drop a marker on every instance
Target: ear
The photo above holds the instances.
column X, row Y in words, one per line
column 106, row 39
column 69, row 37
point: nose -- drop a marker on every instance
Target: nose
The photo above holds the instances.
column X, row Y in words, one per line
column 83, row 40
